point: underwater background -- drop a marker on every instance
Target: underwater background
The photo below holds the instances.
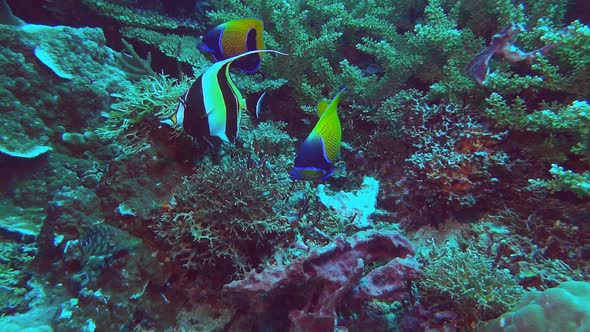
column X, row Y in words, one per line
column 294, row 165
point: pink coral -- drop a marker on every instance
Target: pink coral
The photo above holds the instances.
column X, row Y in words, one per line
column 328, row 275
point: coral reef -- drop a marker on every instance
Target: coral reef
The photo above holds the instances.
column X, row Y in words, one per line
column 134, row 114
column 454, row 164
column 465, row 143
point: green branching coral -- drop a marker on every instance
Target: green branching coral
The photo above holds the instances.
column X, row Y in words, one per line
column 133, row 17
column 182, row 48
column 573, row 120
column 469, row 282
column 564, row 180
column 361, row 45
column 311, row 33
column 151, row 28
column 228, row 216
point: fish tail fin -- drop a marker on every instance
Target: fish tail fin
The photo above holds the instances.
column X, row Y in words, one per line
column 171, row 121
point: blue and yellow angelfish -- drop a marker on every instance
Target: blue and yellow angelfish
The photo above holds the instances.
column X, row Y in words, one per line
column 321, row 148
column 233, row 38
column 213, row 105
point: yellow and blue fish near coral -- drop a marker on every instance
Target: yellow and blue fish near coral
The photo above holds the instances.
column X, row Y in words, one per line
column 234, row 38
column 321, row 148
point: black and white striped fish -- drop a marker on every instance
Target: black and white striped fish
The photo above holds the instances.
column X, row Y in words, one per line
column 213, row 105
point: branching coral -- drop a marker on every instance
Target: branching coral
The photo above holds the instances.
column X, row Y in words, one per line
column 230, row 215
column 358, row 44
column 468, row 281
column 564, row 180
column 135, row 17
column 14, row 258
column 456, row 162
column 571, row 123
column 129, row 121
column 152, row 28
column 182, row 48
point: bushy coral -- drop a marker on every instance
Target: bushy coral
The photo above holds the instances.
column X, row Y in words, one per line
column 354, row 43
column 454, row 162
column 564, row 180
column 230, row 214
column 570, row 125
column 573, row 120
column 136, row 111
column 468, row 282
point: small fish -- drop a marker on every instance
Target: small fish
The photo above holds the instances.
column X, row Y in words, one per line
column 234, row 38
column 213, row 105
column 104, row 239
column 321, row 148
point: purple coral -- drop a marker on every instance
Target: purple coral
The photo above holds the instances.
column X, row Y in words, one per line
column 332, row 275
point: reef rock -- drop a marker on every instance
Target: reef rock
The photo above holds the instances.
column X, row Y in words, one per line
column 52, row 78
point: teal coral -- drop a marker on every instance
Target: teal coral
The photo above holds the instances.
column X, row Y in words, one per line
column 182, row 48
column 133, row 17
column 564, row 180
column 573, row 120
column 468, row 280
column 14, row 259
column 151, row 28
column 563, row 308
column 128, row 119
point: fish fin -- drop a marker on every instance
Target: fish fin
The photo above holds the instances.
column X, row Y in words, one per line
column 322, row 105
column 329, row 130
column 259, row 104
column 479, row 67
column 171, row 121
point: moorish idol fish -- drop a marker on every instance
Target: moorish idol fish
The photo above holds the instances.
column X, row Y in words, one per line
column 321, row 148
column 213, row 104
column 233, row 38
